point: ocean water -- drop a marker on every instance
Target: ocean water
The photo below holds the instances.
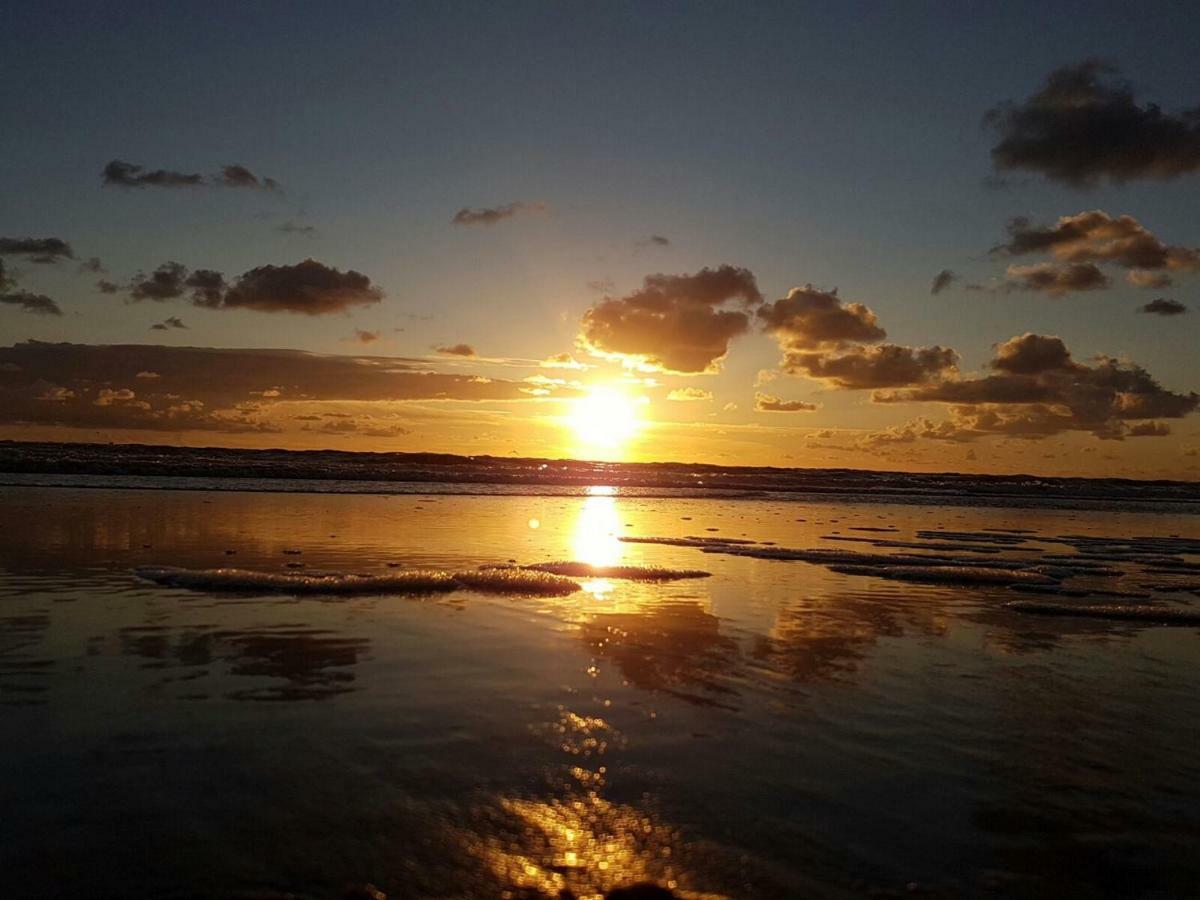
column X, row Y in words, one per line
column 846, row 703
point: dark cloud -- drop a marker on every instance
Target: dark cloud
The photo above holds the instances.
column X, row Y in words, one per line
column 879, row 366
column 308, row 287
column 942, row 280
column 38, row 250
column 1056, row 280
column 1037, row 390
column 456, row 350
column 168, row 323
column 167, row 282
column 105, row 286
column 808, row 318
column 39, row 304
column 1097, row 237
column 674, row 323
column 496, row 214
column 1082, row 127
column 210, row 389
column 655, row 240
column 769, row 403
column 127, row 175
column 363, row 336
column 240, row 177
column 93, row 265
column 1164, row 307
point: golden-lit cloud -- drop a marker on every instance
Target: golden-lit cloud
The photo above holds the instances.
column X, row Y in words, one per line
column 771, row 403
column 1036, row 389
column 674, row 323
column 687, row 394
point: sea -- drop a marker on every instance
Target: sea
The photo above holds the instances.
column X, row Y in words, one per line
column 269, row 674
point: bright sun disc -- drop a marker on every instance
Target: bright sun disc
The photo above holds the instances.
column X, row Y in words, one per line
column 606, row 417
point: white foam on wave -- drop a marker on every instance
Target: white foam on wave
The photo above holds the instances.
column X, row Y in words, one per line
column 408, row 581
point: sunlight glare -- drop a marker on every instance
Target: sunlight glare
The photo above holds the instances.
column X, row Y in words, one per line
column 606, row 417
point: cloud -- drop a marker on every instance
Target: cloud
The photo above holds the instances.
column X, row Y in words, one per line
column 365, row 337
column 1036, row 389
column 562, row 361
column 655, row 240
column 456, row 350
column 38, row 250
column 1056, row 280
column 824, row 338
column 308, row 287
column 168, row 323
column 1142, row 278
column 1081, row 128
column 172, row 280
column 1164, row 307
column 240, row 177
column 105, row 286
column 127, row 175
column 1097, row 237
column 94, row 265
column 208, row 389
column 38, row 304
column 496, row 214
column 808, row 318
column 674, row 323
column 119, row 173
column 601, row 285
column 942, row 280
column 769, row 403
column 884, row 365
column 689, row 394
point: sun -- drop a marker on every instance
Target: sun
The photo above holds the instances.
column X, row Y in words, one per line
column 605, row 418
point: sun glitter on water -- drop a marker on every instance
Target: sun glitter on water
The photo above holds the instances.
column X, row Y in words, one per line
column 606, row 418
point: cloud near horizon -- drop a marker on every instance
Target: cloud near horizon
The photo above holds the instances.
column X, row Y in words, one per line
column 209, row 389
column 1036, row 389
column 674, row 323
column 1164, row 307
column 26, row 301
column 1080, row 129
column 456, row 350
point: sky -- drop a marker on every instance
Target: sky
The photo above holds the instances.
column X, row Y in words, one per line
column 929, row 237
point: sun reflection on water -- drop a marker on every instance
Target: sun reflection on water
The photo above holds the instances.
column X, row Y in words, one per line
column 595, row 541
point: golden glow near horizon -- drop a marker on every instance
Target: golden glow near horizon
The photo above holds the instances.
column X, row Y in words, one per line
column 605, row 419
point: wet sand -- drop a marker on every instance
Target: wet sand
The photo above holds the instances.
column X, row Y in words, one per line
column 747, row 699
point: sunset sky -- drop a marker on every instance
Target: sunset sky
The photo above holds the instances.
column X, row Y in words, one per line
column 894, row 235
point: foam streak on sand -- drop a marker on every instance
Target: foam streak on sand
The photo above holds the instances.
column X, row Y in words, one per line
column 1148, row 614
column 412, row 581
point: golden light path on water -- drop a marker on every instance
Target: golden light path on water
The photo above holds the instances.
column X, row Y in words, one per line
column 596, row 536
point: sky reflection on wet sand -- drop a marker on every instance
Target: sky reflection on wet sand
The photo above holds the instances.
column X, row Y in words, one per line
column 778, row 729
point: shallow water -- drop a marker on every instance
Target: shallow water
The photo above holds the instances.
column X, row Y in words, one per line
column 779, row 729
